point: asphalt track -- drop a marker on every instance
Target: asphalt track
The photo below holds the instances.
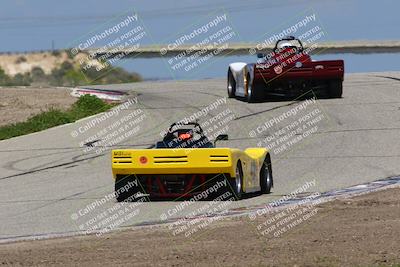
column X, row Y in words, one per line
column 46, row 178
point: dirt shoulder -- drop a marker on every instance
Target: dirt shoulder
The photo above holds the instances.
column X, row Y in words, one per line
column 18, row 104
column 362, row 231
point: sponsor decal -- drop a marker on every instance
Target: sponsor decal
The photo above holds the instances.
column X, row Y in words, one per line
column 278, row 69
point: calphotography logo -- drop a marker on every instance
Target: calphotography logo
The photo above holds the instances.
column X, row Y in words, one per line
column 285, row 131
column 101, row 49
column 198, row 46
column 299, row 26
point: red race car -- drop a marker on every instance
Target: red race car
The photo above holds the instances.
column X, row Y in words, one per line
column 287, row 71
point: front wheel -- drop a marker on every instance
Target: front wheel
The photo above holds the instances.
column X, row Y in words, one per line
column 266, row 181
column 231, row 86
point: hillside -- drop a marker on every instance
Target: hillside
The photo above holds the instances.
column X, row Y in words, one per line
column 58, row 68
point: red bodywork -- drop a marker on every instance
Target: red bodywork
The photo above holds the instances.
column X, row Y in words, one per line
column 167, row 187
column 290, row 71
column 174, row 186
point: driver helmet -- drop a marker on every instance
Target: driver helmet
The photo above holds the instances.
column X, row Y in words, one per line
column 284, row 45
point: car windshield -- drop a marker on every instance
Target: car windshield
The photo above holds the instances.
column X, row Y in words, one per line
column 288, row 43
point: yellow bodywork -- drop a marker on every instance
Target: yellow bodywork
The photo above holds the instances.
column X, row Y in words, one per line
column 191, row 161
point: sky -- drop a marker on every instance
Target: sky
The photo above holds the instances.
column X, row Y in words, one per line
column 27, row 25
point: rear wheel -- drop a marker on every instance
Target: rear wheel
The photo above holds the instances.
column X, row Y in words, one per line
column 335, row 89
column 237, row 183
column 126, row 188
column 231, row 86
column 266, row 181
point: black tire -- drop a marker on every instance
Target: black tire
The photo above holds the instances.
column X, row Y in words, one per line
column 335, row 89
column 231, row 85
column 266, row 180
column 129, row 195
column 236, row 184
column 252, row 93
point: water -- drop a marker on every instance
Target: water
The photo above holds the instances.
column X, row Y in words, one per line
column 158, row 68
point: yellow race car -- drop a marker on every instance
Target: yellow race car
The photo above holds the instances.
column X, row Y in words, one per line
column 187, row 164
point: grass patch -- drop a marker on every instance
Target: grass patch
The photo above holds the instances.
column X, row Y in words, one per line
column 86, row 105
